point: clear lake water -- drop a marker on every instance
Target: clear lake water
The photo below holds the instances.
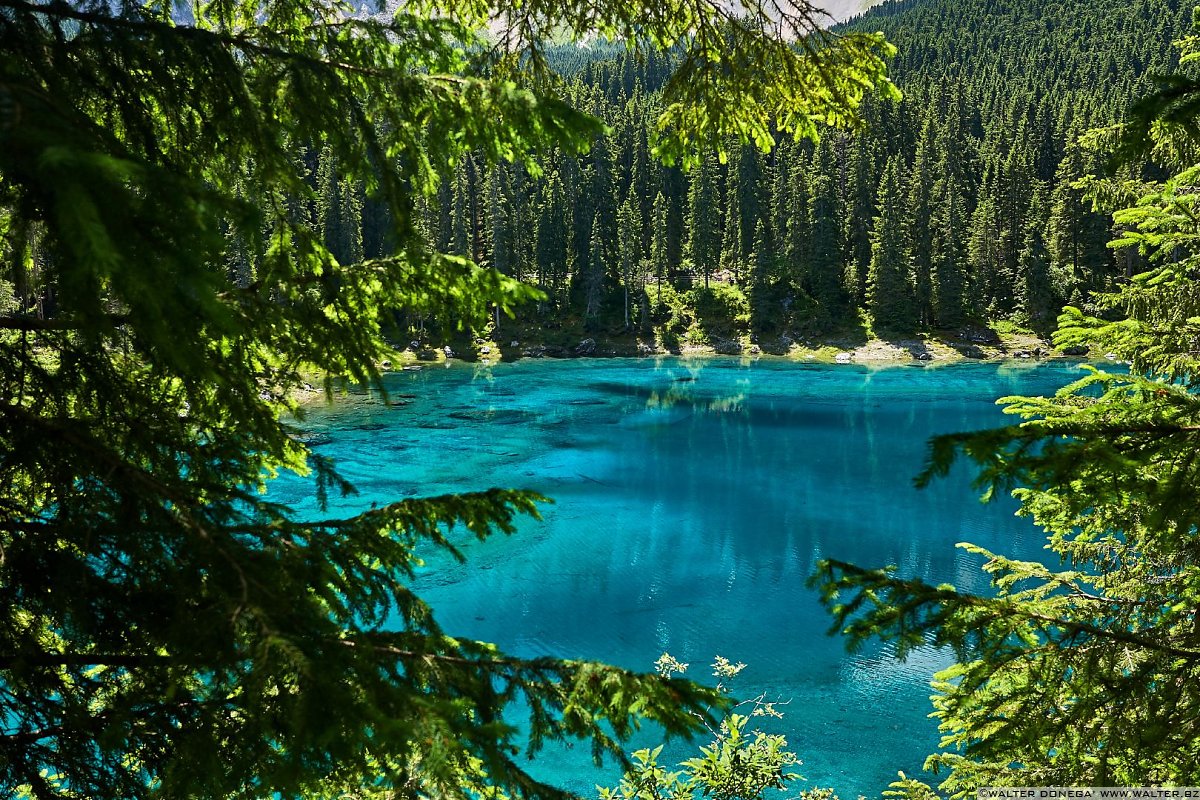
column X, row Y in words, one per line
column 691, row 500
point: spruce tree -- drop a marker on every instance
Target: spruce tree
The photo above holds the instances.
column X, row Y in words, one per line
column 919, row 223
column 658, row 243
column 592, row 278
column 1035, row 292
column 550, row 249
column 986, row 258
column 795, row 247
column 629, row 248
column 950, row 254
column 860, row 210
column 703, row 233
column 824, row 265
column 889, row 292
column 732, row 255
column 167, row 631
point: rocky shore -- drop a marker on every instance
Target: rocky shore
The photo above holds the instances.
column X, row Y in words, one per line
column 967, row 344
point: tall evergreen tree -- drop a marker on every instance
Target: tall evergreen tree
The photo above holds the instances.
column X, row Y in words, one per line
column 166, row 631
column 824, row 259
column 703, row 234
column 795, row 247
column 592, row 278
column 550, row 250
column 629, row 249
column 658, row 242
column 1036, row 299
column 861, row 190
column 919, row 227
column 950, row 254
column 889, row 293
column 988, row 277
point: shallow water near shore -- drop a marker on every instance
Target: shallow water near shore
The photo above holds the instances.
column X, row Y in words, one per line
column 692, row 498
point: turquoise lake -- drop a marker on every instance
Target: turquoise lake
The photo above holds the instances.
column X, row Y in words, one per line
column 692, row 498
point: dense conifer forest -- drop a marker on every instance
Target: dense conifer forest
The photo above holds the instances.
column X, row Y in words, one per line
column 959, row 203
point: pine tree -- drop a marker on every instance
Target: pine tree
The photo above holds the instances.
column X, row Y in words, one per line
column 745, row 182
column 919, row 226
column 950, row 254
column 824, row 263
column 592, row 279
column 703, row 241
column 1035, row 292
column 1077, row 234
column 986, row 258
column 550, row 250
column 889, row 294
column 732, row 255
column 658, row 243
column 796, row 245
column 863, row 185
column 165, row 631
column 462, row 225
column 339, row 211
column 499, row 223
column 629, row 247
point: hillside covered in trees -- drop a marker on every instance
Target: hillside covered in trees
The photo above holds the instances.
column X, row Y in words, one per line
column 957, row 204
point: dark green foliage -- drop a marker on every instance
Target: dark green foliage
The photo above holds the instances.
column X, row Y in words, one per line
column 1036, row 296
column 824, row 265
column 984, row 125
column 920, row 227
column 185, row 211
column 703, row 243
column 1082, row 671
column 948, row 259
column 889, row 292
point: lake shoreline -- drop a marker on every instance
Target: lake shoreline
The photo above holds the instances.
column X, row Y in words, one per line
column 976, row 344
column 874, row 353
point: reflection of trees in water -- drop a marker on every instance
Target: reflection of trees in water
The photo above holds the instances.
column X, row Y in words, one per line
column 734, row 402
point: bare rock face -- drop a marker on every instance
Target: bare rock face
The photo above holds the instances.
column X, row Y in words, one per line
column 970, row 351
column 1075, row 350
column 586, row 348
column 728, row 347
column 844, row 358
